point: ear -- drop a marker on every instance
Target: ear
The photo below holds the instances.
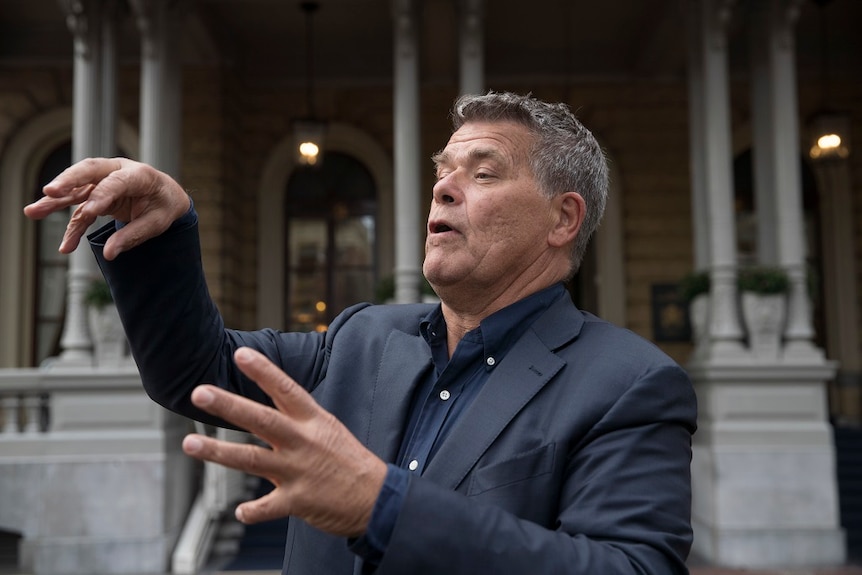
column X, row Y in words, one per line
column 568, row 212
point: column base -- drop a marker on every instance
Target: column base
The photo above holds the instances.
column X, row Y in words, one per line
column 769, row 548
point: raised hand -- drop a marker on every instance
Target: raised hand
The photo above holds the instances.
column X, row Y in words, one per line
column 147, row 200
column 321, row 472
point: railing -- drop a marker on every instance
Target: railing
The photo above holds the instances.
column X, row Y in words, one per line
column 38, row 403
column 102, row 415
column 24, row 414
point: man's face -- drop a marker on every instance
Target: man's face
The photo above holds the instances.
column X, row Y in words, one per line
column 489, row 222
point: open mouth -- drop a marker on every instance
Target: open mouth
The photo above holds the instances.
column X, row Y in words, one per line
column 439, row 228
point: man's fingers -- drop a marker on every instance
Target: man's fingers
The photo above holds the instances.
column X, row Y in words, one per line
column 242, row 456
column 259, row 419
column 285, row 393
column 265, row 508
column 45, row 206
column 84, row 173
column 75, row 229
column 133, row 234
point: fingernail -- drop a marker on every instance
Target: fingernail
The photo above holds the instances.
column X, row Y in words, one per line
column 239, row 515
column 192, row 444
column 204, row 396
column 243, row 354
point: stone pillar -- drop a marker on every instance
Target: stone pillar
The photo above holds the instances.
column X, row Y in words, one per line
column 109, row 109
column 408, row 146
column 764, row 492
column 472, row 46
column 84, row 20
column 785, row 157
column 762, row 136
column 712, row 175
column 161, row 84
column 697, row 138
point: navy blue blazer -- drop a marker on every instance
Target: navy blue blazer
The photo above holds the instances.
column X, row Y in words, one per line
column 574, row 457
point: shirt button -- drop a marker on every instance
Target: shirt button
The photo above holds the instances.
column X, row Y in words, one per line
column 444, row 395
column 490, row 360
column 413, row 465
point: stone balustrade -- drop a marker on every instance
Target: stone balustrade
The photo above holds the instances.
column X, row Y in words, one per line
column 91, row 471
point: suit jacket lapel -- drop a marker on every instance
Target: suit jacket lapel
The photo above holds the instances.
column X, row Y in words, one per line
column 405, row 359
column 525, row 370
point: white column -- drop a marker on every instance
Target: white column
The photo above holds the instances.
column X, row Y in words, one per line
column 763, row 437
column 83, row 18
column 697, row 137
column 711, row 114
column 109, row 108
column 408, row 191
column 159, row 22
column 790, row 228
column 471, row 28
column 762, row 135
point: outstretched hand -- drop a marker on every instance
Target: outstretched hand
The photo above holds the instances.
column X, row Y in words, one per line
column 147, row 200
column 321, row 472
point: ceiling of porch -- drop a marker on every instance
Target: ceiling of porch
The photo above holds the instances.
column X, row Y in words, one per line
column 539, row 39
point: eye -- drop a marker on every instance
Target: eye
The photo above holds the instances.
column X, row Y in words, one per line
column 483, row 176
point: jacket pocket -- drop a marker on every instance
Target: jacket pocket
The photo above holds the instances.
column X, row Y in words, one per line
column 524, row 466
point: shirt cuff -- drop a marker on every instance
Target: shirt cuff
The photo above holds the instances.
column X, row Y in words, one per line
column 371, row 546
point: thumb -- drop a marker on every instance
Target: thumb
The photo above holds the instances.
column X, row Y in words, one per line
column 265, row 508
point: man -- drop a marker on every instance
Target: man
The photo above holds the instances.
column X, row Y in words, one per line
column 502, row 431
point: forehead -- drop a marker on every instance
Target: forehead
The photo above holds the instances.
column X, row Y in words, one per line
column 507, row 142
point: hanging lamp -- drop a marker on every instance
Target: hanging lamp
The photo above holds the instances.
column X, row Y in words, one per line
column 309, row 132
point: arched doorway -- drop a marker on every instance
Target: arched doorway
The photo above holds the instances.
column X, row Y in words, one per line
column 50, row 266
column 330, row 223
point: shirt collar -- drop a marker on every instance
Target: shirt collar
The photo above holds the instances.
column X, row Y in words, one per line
column 502, row 328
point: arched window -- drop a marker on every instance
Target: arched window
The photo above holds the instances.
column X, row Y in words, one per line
column 50, row 269
column 331, row 214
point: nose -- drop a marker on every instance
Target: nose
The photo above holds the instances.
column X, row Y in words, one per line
column 446, row 190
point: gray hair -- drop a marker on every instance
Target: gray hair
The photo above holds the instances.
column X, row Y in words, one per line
column 565, row 155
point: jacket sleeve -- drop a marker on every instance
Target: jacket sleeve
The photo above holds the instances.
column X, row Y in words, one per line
column 624, row 507
column 176, row 334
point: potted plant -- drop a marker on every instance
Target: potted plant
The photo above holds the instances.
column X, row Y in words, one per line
column 694, row 291
column 98, row 294
column 763, row 292
column 106, row 330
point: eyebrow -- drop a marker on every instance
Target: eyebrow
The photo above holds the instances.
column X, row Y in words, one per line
column 476, row 154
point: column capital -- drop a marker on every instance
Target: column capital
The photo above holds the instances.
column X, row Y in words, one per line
column 718, row 14
column 405, row 10
column 146, row 16
column 79, row 20
column 406, row 15
column 787, row 14
column 474, row 8
column 471, row 16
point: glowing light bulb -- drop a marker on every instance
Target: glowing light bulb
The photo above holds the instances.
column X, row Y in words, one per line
column 309, row 151
column 829, row 141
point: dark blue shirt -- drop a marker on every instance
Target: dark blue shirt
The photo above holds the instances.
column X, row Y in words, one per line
column 443, row 395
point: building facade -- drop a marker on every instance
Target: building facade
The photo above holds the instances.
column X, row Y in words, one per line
column 707, row 109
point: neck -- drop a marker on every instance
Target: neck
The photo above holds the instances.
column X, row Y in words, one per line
column 463, row 315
